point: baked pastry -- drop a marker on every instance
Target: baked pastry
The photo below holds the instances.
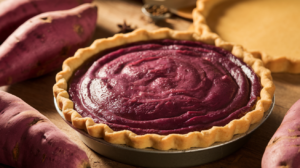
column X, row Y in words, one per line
column 163, row 89
column 267, row 26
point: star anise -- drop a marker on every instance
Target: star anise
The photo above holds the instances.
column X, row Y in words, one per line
column 125, row 28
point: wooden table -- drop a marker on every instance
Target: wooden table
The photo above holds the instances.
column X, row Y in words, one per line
column 38, row 92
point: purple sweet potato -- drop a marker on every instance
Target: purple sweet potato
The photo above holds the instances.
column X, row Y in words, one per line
column 42, row 43
column 283, row 150
column 29, row 139
column 13, row 13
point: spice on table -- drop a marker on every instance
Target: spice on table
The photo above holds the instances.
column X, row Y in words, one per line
column 125, row 28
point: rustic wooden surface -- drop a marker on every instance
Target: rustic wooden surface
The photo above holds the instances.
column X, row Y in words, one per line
column 38, row 92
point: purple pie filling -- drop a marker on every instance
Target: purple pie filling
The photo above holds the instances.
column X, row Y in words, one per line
column 164, row 87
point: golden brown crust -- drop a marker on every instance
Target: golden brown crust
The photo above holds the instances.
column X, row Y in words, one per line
column 275, row 64
column 162, row 142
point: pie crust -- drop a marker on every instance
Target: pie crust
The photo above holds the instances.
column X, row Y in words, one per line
column 162, row 142
column 273, row 32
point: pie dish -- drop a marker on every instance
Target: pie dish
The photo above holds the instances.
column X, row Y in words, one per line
column 267, row 26
column 125, row 83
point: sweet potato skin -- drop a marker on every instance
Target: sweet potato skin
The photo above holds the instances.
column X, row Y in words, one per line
column 41, row 44
column 283, row 148
column 29, row 139
column 13, row 13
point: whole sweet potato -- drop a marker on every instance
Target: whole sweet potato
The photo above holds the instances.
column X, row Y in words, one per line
column 13, row 13
column 283, row 150
column 29, row 139
column 42, row 43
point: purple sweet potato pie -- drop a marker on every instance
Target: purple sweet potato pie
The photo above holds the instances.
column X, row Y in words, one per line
column 164, row 87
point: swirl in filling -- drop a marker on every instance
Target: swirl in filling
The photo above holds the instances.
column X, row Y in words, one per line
column 164, row 87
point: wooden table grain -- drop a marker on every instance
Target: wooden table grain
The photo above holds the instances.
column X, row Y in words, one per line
column 38, row 92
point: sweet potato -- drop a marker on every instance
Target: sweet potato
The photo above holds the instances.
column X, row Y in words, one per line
column 13, row 13
column 283, row 149
column 29, row 139
column 42, row 43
